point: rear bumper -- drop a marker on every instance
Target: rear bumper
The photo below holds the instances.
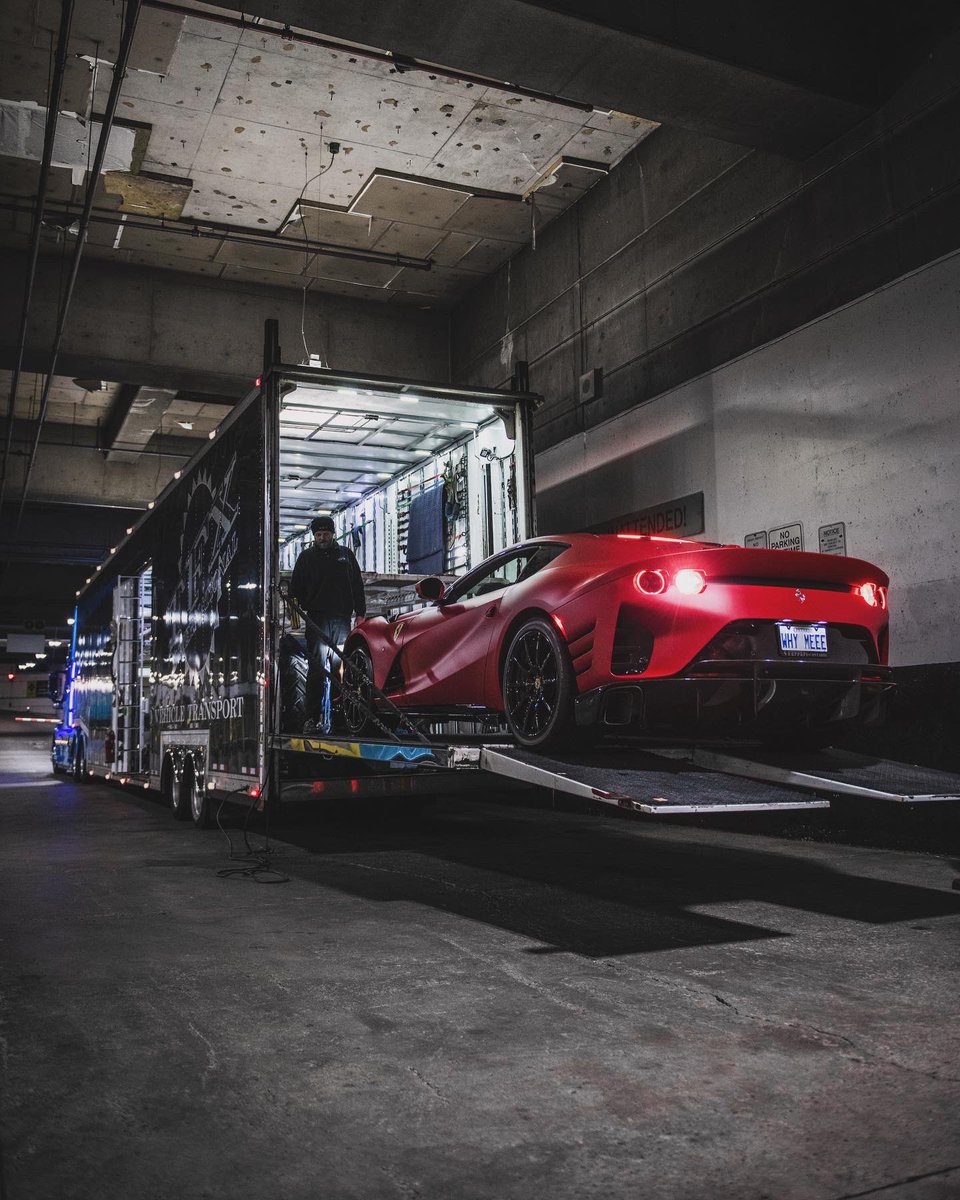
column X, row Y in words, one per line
column 750, row 696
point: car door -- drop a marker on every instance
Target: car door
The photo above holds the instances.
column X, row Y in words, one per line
column 443, row 649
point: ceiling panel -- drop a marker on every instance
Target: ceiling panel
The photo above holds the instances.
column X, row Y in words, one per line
column 409, row 200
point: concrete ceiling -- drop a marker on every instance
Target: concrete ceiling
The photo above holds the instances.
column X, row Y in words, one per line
column 229, row 131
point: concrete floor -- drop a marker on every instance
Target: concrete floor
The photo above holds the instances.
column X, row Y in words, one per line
column 481, row 1002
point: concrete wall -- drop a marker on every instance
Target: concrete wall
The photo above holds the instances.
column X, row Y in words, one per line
column 694, row 251
column 771, row 333
column 167, row 329
column 853, row 418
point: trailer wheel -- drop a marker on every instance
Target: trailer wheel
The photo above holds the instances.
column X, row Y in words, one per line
column 198, row 798
column 357, row 693
column 173, row 792
column 79, row 761
column 538, row 685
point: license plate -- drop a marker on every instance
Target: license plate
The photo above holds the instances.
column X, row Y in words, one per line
column 800, row 640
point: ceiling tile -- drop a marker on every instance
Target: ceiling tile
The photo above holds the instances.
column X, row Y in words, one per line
column 508, row 220
column 412, row 240
column 399, row 198
column 266, row 258
column 323, row 223
column 370, row 274
column 487, row 254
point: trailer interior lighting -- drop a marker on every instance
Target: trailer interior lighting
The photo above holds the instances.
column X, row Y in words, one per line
column 247, row 587
column 212, row 434
column 177, row 474
column 54, row 642
column 150, row 503
column 27, row 665
column 41, row 656
column 113, row 549
column 689, row 582
column 129, row 530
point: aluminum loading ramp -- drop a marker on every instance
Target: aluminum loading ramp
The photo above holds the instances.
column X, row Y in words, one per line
column 642, row 782
column 839, row 772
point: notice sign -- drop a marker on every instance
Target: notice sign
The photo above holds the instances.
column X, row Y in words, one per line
column 756, row 541
column 833, row 538
column 674, row 518
column 786, row 537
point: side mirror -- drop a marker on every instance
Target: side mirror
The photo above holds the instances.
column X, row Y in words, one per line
column 431, row 588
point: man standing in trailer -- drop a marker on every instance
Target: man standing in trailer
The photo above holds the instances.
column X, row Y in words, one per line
column 327, row 585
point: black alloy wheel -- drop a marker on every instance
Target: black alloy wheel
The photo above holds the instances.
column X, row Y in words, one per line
column 538, row 685
column 357, row 691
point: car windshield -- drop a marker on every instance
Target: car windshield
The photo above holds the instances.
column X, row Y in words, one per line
column 503, row 571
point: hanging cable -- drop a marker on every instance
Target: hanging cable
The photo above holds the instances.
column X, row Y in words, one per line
column 53, row 112
column 131, row 13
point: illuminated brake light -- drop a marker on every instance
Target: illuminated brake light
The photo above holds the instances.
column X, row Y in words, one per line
column 254, row 791
column 870, row 593
column 689, row 582
column 651, row 583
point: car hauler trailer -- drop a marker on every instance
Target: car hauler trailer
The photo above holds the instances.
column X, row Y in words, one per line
column 179, row 637
column 187, row 660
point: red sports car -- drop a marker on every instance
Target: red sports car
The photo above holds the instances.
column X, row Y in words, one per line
column 622, row 632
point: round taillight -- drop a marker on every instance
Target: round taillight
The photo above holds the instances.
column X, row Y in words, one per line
column 870, row 594
column 651, row 583
column 689, row 582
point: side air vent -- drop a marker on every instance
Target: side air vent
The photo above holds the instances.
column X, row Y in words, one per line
column 632, row 644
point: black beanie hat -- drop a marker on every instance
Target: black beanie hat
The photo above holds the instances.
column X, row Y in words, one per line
column 319, row 523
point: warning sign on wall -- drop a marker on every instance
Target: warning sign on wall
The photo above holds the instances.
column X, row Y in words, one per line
column 756, row 541
column 833, row 538
column 786, row 537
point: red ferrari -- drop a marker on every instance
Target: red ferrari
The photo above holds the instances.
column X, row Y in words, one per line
column 617, row 633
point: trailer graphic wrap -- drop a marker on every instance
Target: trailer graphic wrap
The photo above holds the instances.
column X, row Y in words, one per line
column 208, row 602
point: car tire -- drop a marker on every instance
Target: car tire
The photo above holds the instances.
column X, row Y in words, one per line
column 357, row 697
column 538, row 686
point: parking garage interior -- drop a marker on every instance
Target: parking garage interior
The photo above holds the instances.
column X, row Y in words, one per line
column 718, row 247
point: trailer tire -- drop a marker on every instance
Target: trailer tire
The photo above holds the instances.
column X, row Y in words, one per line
column 197, row 796
column 357, row 697
column 80, row 761
column 173, row 794
column 538, row 685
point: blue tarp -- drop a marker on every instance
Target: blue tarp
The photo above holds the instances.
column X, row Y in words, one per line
column 425, row 535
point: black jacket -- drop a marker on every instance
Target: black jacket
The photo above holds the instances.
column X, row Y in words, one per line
column 327, row 583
